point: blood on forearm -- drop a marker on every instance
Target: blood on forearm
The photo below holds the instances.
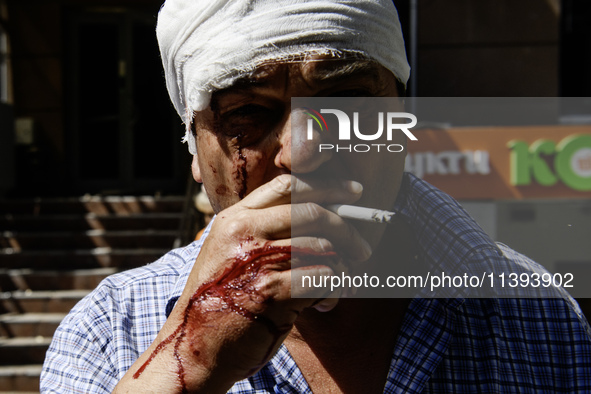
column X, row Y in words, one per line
column 235, row 283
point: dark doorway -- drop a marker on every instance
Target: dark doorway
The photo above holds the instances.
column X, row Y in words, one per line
column 575, row 41
column 124, row 132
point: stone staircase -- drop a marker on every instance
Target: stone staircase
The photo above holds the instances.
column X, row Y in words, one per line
column 54, row 251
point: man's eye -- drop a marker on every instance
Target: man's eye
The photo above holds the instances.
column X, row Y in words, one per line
column 249, row 122
column 248, row 110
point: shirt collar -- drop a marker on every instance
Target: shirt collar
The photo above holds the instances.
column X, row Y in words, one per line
column 185, row 271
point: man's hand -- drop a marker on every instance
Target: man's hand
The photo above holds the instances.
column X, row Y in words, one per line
column 237, row 306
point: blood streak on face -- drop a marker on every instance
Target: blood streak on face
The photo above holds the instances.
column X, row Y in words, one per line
column 241, row 174
column 239, row 278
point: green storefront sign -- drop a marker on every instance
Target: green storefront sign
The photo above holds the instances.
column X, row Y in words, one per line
column 547, row 162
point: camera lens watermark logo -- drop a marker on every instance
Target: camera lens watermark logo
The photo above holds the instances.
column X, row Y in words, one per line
column 317, row 117
column 388, row 122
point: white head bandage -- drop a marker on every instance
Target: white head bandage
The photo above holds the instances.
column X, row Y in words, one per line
column 207, row 44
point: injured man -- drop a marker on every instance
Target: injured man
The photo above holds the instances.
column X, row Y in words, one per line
column 222, row 314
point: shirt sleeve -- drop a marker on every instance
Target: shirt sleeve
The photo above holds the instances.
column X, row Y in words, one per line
column 78, row 359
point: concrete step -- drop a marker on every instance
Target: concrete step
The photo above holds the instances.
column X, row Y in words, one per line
column 54, row 240
column 89, row 221
column 80, row 258
column 23, row 351
column 54, row 251
column 21, row 379
column 26, row 279
column 57, row 301
column 19, row 392
column 120, row 205
column 13, row 325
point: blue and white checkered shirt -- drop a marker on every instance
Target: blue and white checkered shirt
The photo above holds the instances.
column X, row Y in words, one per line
column 445, row 345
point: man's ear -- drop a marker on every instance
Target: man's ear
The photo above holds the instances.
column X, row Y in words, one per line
column 196, row 170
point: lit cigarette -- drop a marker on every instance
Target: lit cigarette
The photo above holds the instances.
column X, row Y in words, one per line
column 361, row 213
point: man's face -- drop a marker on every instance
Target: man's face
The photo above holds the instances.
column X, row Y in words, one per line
column 244, row 139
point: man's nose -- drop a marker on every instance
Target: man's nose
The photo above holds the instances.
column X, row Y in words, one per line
column 300, row 145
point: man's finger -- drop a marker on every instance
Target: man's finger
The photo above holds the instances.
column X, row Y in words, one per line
column 313, row 220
